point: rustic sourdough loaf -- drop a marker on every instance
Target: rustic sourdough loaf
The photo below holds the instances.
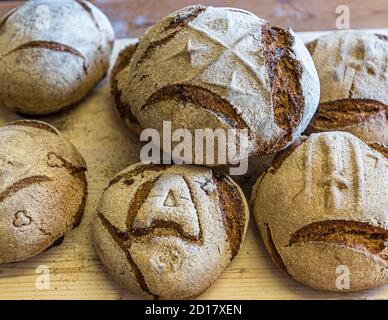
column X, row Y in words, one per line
column 352, row 67
column 51, row 54
column 167, row 232
column 42, row 188
column 323, row 206
column 206, row 67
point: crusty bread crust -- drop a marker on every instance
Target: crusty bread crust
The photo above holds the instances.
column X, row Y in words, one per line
column 48, row 68
column 42, row 191
column 351, row 66
column 187, row 70
column 331, row 213
column 167, row 232
column 367, row 119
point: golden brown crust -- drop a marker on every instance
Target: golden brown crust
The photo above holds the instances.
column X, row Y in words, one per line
column 348, row 112
column 273, row 103
column 326, row 207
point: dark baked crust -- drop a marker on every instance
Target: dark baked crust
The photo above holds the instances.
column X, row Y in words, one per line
column 348, row 112
column 184, row 17
column 353, row 234
column 89, row 11
column 7, row 16
column 382, row 36
column 51, row 45
column 81, row 175
column 233, row 212
column 285, row 75
column 383, row 149
column 201, row 98
column 176, row 23
column 21, row 184
column 121, row 240
column 173, row 26
column 122, row 62
column 276, row 257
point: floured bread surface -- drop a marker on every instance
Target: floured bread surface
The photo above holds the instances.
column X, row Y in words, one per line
column 352, row 67
column 205, row 67
column 51, row 54
column 167, row 232
column 42, row 188
column 322, row 211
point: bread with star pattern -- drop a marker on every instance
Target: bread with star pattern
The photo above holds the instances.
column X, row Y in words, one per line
column 219, row 68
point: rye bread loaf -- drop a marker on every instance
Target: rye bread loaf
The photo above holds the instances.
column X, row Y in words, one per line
column 324, row 204
column 167, row 232
column 42, row 188
column 352, row 67
column 52, row 53
column 219, row 68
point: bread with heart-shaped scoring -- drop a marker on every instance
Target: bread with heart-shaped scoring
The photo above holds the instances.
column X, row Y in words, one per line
column 43, row 188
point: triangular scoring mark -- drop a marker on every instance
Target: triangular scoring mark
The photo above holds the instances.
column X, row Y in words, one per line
column 170, row 200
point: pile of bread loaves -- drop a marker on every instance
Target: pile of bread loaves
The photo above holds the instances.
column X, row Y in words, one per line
column 168, row 231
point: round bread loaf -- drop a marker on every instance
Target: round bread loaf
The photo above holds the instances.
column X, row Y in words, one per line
column 51, row 54
column 42, row 188
column 167, row 232
column 352, row 67
column 322, row 211
column 219, row 68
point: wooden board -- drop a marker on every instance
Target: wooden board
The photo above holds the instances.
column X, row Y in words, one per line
column 75, row 270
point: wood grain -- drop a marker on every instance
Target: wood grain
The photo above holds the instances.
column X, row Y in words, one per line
column 75, row 270
column 131, row 17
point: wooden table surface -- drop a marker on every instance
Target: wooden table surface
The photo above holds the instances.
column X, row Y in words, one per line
column 131, row 17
